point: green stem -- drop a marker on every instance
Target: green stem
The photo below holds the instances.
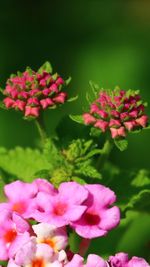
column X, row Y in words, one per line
column 39, row 122
column 108, row 145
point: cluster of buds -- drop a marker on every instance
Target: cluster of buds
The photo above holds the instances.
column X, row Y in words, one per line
column 118, row 111
column 31, row 92
column 34, row 221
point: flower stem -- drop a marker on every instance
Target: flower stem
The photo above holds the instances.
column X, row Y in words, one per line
column 84, row 246
column 108, row 145
column 39, row 122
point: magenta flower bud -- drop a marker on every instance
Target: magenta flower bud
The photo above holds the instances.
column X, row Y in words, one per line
column 133, row 113
column 59, row 81
column 102, row 113
column 14, row 93
column 33, row 101
column 46, row 92
column 9, row 103
column 114, row 123
column 115, row 113
column 124, row 115
column 46, row 103
column 94, row 108
column 33, row 92
column 120, row 132
column 20, row 104
column 101, row 125
column 23, row 94
column 88, row 119
column 42, row 82
column 60, row 98
column 142, row 121
column 53, row 88
column 32, row 111
column 130, row 125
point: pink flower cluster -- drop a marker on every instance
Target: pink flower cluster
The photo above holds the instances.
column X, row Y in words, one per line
column 35, row 217
column 118, row 111
column 32, row 91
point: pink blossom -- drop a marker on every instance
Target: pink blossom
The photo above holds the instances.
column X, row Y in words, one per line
column 43, row 185
column 20, row 104
column 33, row 101
column 60, row 98
column 51, row 235
column 122, row 260
column 92, row 261
column 61, row 209
column 116, row 109
column 99, row 218
column 20, row 198
column 12, row 228
column 9, row 103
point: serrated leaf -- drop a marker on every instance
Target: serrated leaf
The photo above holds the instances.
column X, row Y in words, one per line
column 87, row 170
column 77, row 118
column 42, row 174
column 121, row 144
column 22, row 163
column 140, row 202
column 71, row 99
column 45, row 67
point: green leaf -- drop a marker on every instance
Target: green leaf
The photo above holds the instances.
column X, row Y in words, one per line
column 141, row 179
column 23, row 163
column 78, row 180
column 71, row 99
column 95, row 88
column 45, row 67
column 121, row 144
column 87, row 170
column 140, row 202
column 94, row 132
column 77, row 118
column 68, row 80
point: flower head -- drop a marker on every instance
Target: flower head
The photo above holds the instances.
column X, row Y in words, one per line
column 99, row 217
column 30, row 91
column 92, row 261
column 118, row 111
column 122, row 260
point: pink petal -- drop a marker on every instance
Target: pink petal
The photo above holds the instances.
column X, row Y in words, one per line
column 110, row 218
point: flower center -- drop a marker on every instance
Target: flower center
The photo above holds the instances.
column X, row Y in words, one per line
column 38, row 263
column 60, row 209
column 10, row 235
column 91, row 218
column 19, row 207
column 49, row 242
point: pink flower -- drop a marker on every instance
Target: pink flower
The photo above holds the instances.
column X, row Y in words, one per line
column 31, row 91
column 12, row 228
column 99, row 218
column 20, row 197
column 43, row 185
column 51, row 235
column 62, row 208
column 33, row 254
column 117, row 109
column 122, row 260
column 92, row 261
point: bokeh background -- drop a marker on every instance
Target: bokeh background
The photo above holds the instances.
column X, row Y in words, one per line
column 104, row 41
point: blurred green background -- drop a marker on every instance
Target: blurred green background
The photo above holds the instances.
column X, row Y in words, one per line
column 104, row 41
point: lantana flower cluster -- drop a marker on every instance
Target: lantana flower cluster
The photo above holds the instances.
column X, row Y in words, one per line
column 35, row 219
column 118, row 111
column 30, row 92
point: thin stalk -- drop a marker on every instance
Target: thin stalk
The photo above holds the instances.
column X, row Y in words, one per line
column 39, row 122
column 84, row 246
column 108, row 145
